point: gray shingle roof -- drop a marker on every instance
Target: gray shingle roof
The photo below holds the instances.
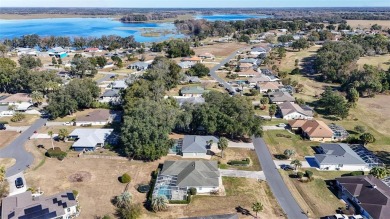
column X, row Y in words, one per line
column 193, row 173
column 338, row 154
column 289, row 107
column 111, row 93
column 280, row 97
column 90, row 137
column 196, row 143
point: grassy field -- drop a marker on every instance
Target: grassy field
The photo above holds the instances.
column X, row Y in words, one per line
column 288, row 62
column 30, row 119
column 220, row 49
column 368, row 23
column 7, row 137
column 314, row 196
column 277, row 145
column 382, row 61
column 238, row 154
column 7, row 162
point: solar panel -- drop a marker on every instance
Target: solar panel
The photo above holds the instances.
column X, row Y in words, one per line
column 32, row 209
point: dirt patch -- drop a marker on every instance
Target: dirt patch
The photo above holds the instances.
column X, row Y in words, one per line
column 80, row 176
column 7, row 137
column 238, row 154
column 7, row 162
column 368, row 23
column 219, row 49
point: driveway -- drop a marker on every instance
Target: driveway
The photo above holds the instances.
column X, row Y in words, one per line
column 273, row 127
column 242, row 173
column 16, row 150
column 12, row 188
column 275, row 181
column 278, row 163
column 105, row 78
column 232, row 144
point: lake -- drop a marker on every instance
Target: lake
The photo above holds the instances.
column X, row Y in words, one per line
column 231, row 17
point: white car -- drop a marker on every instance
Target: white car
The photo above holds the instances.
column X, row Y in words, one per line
column 68, row 123
column 281, row 125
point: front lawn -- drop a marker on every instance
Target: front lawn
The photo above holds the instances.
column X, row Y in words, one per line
column 238, row 154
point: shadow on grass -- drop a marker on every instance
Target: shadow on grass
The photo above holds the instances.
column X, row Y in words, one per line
column 243, row 211
column 280, row 156
column 384, row 156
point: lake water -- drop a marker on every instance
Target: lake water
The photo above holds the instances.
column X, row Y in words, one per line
column 97, row 27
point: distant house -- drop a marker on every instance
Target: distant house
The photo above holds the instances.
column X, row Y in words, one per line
column 139, row 66
column 58, row 52
column 94, row 49
column 186, row 64
column 289, row 111
column 280, row 97
column 254, row 81
column 264, row 87
column 192, row 91
column 197, row 146
column 250, row 61
column 339, row 133
column 314, row 130
column 258, row 50
column 110, row 96
column 219, row 216
column 18, row 101
column 287, row 88
column 250, row 73
column 26, row 51
column 193, row 100
column 339, row 157
column 95, row 117
column 206, row 55
column 119, row 85
column 245, row 66
column 5, row 111
column 25, row 205
column 61, row 55
column 177, row 177
column 192, row 59
column 89, row 139
column 191, row 79
column 367, row 195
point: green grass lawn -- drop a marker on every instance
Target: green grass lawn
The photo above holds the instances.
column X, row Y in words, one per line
column 274, row 121
column 288, row 62
column 382, row 61
column 277, row 145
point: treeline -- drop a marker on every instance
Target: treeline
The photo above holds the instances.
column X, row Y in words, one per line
column 147, row 17
column 174, row 48
column 149, row 118
column 110, row 42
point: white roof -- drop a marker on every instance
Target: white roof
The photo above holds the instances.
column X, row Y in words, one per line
column 90, row 137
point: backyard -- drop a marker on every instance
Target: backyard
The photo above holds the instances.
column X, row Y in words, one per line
column 28, row 120
column 238, row 154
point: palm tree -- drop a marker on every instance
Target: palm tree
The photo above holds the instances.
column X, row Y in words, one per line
column 297, row 164
column 272, row 110
column 257, row 207
column 2, row 173
column 50, row 133
column 379, row 172
column 63, row 134
column 160, row 203
column 289, row 153
column 37, row 97
column 123, row 200
column 222, row 144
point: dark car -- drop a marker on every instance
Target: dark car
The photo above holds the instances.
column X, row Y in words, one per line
column 2, row 126
column 19, row 182
column 286, row 167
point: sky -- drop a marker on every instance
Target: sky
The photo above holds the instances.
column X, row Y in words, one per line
column 193, row 4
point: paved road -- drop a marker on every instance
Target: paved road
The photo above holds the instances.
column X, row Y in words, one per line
column 275, row 181
column 16, row 150
column 105, row 78
column 243, row 173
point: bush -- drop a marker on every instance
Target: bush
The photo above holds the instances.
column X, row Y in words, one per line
column 125, row 178
column 357, row 173
column 192, row 191
column 283, row 135
column 300, row 174
column 17, row 117
column 57, row 153
column 75, row 193
column 244, row 162
column 308, row 174
column 152, row 184
column 106, row 217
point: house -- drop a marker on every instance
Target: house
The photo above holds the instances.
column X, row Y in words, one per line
column 25, row 205
column 139, row 66
column 119, row 85
column 18, row 101
column 92, row 50
column 314, row 130
column 197, row 145
column 280, row 97
column 191, row 79
column 192, row 100
column 207, row 55
column 89, row 139
column 289, row 111
column 186, row 64
column 5, row 111
column 250, row 61
column 219, row 216
column 250, row 73
column 260, row 79
column 110, row 96
column 192, row 59
column 339, row 156
column 264, row 87
column 245, row 66
column 95, row 117
column 58, row 52
column 26, row 51
column 192, row 91
column 177, row 177
column 339, row 133
column 109, row 65
column 367, row 195
column 258, row 50
column 287, row 88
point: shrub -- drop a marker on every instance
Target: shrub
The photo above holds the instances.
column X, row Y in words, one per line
column 17, row 117
column 57, row 153
column 308, row 174
column 152, row 184
column 244, row 162
column 75, row 193
column 106, row 217
column 214, row 192
column 300, row 175
column 357, row 173
column 283, row 135
column 192, row 191
column 125, row 178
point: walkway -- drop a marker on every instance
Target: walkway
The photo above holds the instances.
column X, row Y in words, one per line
column 16, row 150
column 243, row 173
column 275, row 181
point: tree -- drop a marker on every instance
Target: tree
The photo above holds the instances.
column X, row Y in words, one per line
column 59, row 61
column 367, row 138
column 160, row 203
column 29, row 62
column 222, row 144
column 264, row 100
column 83, row 66
column 63, row 134
column 379, row 172
column 101, row 61
column 352, row 96
column 2, row 173
column 289, row 153
column 125, row 178
column 334, row 104
column 257, row 207
column 302, row 43
column 296, row 163
column 123, row 200
column 296, row 62
column 359, row 128
column 53, row 60
column 3, row 50
column 50, row 133
column 37, row 97
column 199, row 70
column 281, row 52
column 272, row 110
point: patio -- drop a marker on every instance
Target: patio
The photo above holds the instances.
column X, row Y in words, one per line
column 366, row 155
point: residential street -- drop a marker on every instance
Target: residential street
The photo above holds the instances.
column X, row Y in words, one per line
column 275, row 181
column 16, row 150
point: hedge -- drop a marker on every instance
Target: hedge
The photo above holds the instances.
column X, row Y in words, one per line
column 152, row 184
column 192, row 191
column 283, row 135
column 181, row 202
column 57, row 153
column 245, row 162
column 125, row 178
column 357, row 173
column 309, row 174
column 300, row 174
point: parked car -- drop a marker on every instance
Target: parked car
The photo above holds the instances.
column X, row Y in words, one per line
column 281, row 125
column 19, row 182
column 68, row 123
column 286, row 167
column 2, row 126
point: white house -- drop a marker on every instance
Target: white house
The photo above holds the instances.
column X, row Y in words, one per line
column 177, row 177
column 19, row 101
column 110, row 96
column 197, row 146
column 26, row 205
column 290, row 110
column 89, row 139
column 4, row 111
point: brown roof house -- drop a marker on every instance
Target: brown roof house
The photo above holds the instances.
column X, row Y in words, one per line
column 291, row 111
column 206, row 55
column 269, row 86
column 95, row 117
column 369, row 196
column 249, row 73
column 314, row 130
column 192, row 59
